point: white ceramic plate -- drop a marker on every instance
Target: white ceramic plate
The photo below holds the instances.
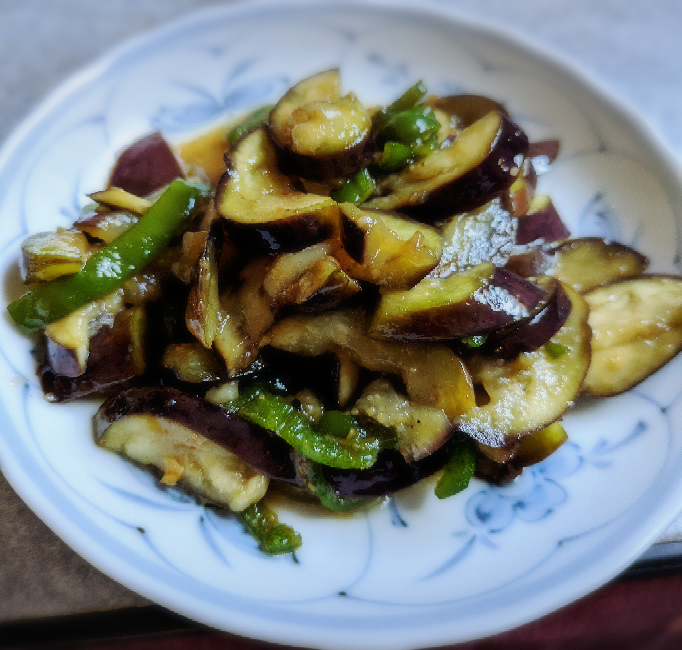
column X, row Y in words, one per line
column 417, row 572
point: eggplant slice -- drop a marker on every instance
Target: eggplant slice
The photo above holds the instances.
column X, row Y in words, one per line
column 487, row 234
column 207, row 469
column 145, row 166
column 477, row 301
column 256, row 447
column 263, row 207
column 387, row 248
column 433, row 375
column 420, row 430
column 319, row 133
column 483, row 161
column 533, row 390
column 116, row 354
column 636, row 328
column 589, row 262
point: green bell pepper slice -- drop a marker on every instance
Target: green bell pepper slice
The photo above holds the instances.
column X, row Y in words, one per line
column 251, row 121
column 416, row 128
column 275, row 414
column 107, row 269
column 327, row 494
column 356, row 188
column 394, row 157
column 409, row 99
column 273, row 537
column 458, row 469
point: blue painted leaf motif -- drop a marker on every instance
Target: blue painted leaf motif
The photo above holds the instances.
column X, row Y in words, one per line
column 251, row 95
column 394, row 73
column 599, row 219
column 540, row 501
column 186, row 117
column 177, row 499
column 565, row 461
column 396, row 517
column 207, row 107
column 488, row 509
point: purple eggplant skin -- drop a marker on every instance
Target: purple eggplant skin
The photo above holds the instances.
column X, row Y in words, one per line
column 543, row 153
column 529, row 263
column 331, row 166
column 295, row 372
column 290, row 220
column 352, row 238
column 545, row 224
column 253, row 444
column 114, row 357
column 482, row 183
column 145, row 166
column 285, row 235
column 503, row 301
column 534, row 332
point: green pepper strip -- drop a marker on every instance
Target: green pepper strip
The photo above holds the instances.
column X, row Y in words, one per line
column 107, row 269
column 272, row 536
column 474, row 341
column 409, row 99
column 336, row 423
column 355, row 189
column 252, row 120
column 394, row 156
column 458, row 469
column 416, row 128
column 274, row 413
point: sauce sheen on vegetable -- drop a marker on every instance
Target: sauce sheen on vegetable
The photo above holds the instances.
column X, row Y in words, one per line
column 338, row 300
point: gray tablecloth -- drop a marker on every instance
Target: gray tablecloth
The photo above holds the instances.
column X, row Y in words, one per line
column 632, row 48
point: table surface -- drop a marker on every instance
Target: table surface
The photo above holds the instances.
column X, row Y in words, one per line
column 631, row 48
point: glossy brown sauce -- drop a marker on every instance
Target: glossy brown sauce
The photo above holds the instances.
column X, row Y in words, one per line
column 207, row 151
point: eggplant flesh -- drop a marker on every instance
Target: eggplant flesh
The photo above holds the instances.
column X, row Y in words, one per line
column 636, row 328
column 465, row 109
column 116, row 354
column 258, row 448
column 483, row 161
column 532, row 390
column 387, row 249
column 487, row 234
column 262, row 206
column 588, row 262
column 207, row 469
column 479, row 300
column 420, row 430
column 433, row 375
column 319, row 133
column 49, row 255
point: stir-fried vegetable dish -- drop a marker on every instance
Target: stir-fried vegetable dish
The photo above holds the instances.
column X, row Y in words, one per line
column 338, row 301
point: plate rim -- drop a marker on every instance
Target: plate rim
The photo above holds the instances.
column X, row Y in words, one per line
column 93, row 70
